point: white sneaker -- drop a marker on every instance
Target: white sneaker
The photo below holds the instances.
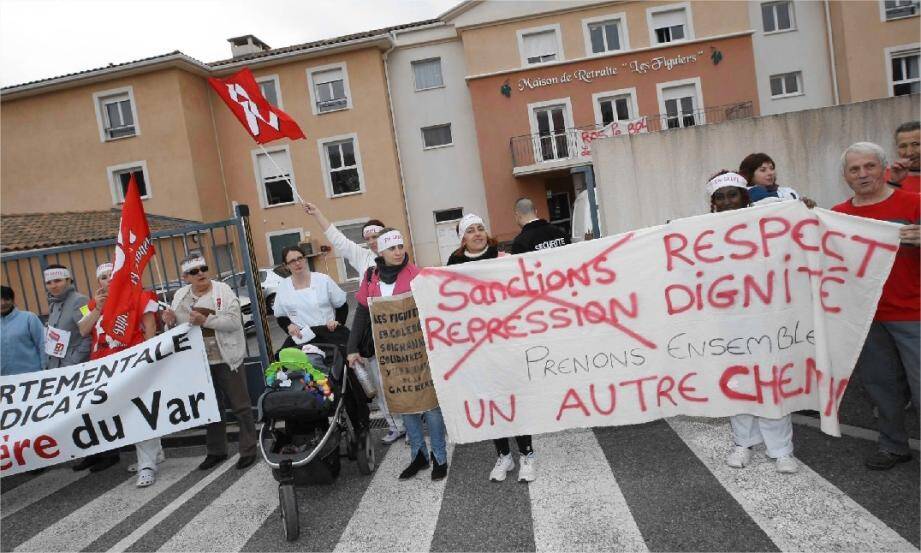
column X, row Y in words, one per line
column 504, row 464
column 133, row 467
column 786, row 465
column 393, row 435
column 528, row 470
column 739, row 457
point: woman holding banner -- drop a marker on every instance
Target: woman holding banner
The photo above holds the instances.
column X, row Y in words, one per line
column 391, row 276
column 727, row 192
column 476, row 244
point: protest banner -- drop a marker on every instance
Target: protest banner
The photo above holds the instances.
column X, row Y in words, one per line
column 761, row 310
column 155, row 388
column 400, row 350
column 615, row 128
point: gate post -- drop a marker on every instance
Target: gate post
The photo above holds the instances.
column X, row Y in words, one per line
column 263, row 335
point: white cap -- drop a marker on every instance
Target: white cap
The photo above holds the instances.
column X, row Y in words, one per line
column 104, row 270
column 465, row 223
column 192, row 264
column 389, row 239
column 726, row 179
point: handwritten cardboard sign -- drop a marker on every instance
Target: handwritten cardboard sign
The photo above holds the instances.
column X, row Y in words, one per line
column 400, row 350
column 761, row 310
column 153, row 389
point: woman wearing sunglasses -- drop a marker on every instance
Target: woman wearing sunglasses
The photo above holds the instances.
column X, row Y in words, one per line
column 309, row 306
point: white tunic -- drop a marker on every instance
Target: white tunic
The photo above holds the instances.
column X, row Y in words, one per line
column 311, row 306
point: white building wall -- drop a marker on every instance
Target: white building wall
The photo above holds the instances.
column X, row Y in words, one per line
column 802, row 49
column 441, row 178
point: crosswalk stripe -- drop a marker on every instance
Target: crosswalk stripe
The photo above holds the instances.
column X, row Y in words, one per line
column 799, row 512
column 104, row 512
column 38, row 488
column 228, row 522
column 395, row 515
column 576, row 503
column 139, row 532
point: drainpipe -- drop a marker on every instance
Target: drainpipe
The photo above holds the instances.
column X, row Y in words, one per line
column 393, row 125
column 831, row 52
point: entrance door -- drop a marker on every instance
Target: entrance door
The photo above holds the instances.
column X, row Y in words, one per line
column 551, row 130
column 560, row 212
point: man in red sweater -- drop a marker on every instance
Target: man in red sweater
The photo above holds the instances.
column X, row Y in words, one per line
column 905, row 172
column 889, row 366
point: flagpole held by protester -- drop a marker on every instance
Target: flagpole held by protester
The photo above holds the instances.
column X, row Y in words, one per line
column 263, row 121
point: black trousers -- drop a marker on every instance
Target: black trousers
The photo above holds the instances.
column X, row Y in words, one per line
column 524, row 445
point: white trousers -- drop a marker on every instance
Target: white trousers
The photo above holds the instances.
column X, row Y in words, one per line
column 147, row 453
column 777, row 434
column 394, row 422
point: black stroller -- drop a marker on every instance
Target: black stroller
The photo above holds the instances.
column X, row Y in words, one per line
column 304, row 419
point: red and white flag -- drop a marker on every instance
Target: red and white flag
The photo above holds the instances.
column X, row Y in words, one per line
column 133, row 249
column 262, row 120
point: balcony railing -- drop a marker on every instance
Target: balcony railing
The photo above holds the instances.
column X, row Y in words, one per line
column 574, row 143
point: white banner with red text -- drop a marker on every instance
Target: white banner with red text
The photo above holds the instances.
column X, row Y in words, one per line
column 615, row 128
column 153, row 389
column 761, row 310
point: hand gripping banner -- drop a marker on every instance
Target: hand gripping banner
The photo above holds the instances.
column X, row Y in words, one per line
column 761, row 310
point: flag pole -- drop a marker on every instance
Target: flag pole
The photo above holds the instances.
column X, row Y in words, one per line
column 297, row 197
column 160, row 276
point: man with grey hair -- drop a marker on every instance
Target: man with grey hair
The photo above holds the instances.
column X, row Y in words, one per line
column 536, row 233
column 889, row 365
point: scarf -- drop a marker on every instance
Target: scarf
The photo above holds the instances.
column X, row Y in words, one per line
column 388, row 273
column 489, row 253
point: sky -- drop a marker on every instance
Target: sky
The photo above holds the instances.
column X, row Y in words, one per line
column 47, row 38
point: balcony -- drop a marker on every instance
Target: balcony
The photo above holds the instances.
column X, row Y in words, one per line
column 537, row 153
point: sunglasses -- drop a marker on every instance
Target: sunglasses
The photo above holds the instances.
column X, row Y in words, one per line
column 195, row 271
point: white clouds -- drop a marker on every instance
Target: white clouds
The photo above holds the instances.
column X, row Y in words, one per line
column 45, row 38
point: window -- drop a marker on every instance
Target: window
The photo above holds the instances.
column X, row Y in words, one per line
column 905, row 79
column 616, row 108
column 540, row 45
column 279, row 240
column 897, row 9
column 787, row 84
column 268, row 86
column 329, row 88
column 669, row 23
column 273, row 171
column 116, row 114
column 680, row 102
column 343, row 165
column 446, row 215
column 352, row 231
column 439, row 135
column 427, row 74
column 549, row 124
column 777, row 16
column 120, row 175
column 605, row 36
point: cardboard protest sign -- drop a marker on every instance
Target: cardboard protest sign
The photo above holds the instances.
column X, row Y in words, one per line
column 156, row 388
column 761, row 310
column 400, row 350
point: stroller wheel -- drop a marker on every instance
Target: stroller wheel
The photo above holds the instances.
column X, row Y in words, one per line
column 366, row 457
column 287, row 499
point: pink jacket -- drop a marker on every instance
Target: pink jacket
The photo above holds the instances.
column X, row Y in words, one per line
column 373, row 289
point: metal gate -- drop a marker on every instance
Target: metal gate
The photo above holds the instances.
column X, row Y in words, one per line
column 226, row 245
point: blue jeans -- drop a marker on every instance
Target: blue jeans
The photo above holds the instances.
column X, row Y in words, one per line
column 437, row 432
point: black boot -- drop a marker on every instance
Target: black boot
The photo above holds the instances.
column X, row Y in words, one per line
column 439, row 471
column 419, row 463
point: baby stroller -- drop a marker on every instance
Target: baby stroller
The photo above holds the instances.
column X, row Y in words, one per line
column 311, row 402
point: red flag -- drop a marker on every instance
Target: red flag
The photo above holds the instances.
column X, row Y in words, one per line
column 133, row 249
column 262, row 120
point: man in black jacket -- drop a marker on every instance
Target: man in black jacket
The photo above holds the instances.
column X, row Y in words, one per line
column 536, row 234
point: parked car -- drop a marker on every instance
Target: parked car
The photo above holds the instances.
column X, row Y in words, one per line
column 270, row 278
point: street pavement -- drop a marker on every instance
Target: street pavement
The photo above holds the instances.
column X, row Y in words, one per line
column 661, row 486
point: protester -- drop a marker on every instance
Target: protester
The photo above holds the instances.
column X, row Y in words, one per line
column 214, row 307
column 476, row 244
column 905, row 172
column 149, row 452
column 64, row 305
column 889, row 365
column 359, row 257
column 390, row 276
column 760, row 173
column 309, row 306
column 536, row 234
column 22, row 338
column 729, row 191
